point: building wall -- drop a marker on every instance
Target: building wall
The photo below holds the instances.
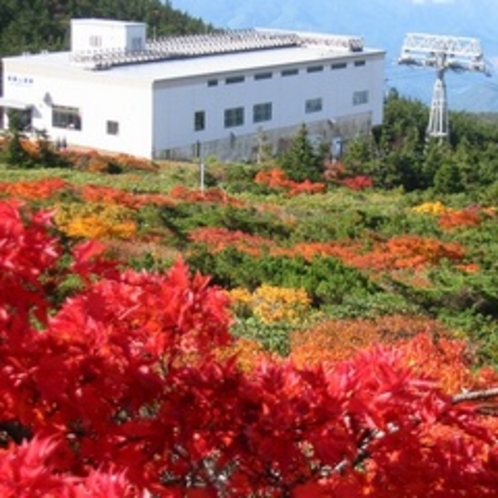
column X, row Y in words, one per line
column 120, row 113
column 250, row 147
column 96, row 97
column 351, row 95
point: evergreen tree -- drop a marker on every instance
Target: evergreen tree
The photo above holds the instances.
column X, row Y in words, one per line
column 302, row 161
column 35, row 25
column 15, row 154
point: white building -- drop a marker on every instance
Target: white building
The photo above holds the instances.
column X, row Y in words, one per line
column 216, row 94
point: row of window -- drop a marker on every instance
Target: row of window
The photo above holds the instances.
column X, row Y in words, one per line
column 264, row 112
column 235, row 116
column 69, row 118
column 285, row 72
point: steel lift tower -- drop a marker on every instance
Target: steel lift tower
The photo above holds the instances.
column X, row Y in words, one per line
column 442, row 53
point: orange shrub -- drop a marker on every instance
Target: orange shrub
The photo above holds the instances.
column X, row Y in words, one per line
column 36, row 189
column 213, row 195
column 218, row 239
column 335, row 340
column 425, row 343
column 468, row 217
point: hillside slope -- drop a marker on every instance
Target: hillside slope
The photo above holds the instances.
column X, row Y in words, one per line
column 34, row 25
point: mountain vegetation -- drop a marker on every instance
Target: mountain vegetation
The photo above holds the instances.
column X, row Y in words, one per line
column 34, row 25
column 306, row 326
column 272, row 335
column 397, row 154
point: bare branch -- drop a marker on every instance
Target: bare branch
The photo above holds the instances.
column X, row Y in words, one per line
column 475, row 395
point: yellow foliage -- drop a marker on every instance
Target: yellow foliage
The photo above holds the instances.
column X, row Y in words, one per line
column 249, row 353
column 432, row 208
column 272, row 304
column 96, row 221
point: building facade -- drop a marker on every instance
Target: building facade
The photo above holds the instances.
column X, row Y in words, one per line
column 225, row 94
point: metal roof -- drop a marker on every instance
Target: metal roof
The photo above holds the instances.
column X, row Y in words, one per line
column 314, row 50
column 201, row 45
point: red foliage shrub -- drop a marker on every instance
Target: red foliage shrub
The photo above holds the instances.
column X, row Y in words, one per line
column 277, row 179
column 360, row 182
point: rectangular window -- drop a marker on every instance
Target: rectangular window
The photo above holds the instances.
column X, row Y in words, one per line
column 263, row 76
column 262, row 112
column 360, row 98
column 95, row 41
column 234, row 79
column 137, row 44
column 234, row 117
column 212, row 82
column 199, row 120
column 66, row 117
column 314, row 69
column 112, row 128
column 290, row 72
column 359, row 63
column 313, row 105
column 339, row 65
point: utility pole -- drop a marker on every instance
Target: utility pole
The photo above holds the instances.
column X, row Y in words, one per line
column 443, row 53
column 198, row 153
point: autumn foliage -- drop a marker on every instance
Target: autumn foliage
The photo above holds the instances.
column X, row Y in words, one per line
column 120, row 390
column 277, row 179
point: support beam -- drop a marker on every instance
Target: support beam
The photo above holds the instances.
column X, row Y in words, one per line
column 443, row 53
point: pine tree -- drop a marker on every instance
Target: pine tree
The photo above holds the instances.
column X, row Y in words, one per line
column 301, row 162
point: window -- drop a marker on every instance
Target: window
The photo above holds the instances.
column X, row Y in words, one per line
column 314, row 69
column 339, row 65
column 234, row 117
column 262, row 112
column 313, row 105
column 263, row 76
column 66, row 117
column 360, row 98
column 112, row 128
column 234, row 79
column 95, row 41
column 290, row 72
column 359, row 63
column 212, row 82
column 137, row 43
column 199, row 120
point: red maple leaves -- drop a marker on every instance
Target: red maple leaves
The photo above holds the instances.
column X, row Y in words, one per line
column 122, row 392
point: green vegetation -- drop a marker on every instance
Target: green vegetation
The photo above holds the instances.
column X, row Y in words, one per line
column 34, row 25
column 397, row 154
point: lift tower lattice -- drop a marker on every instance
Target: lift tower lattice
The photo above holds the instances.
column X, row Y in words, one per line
column 443, row 53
